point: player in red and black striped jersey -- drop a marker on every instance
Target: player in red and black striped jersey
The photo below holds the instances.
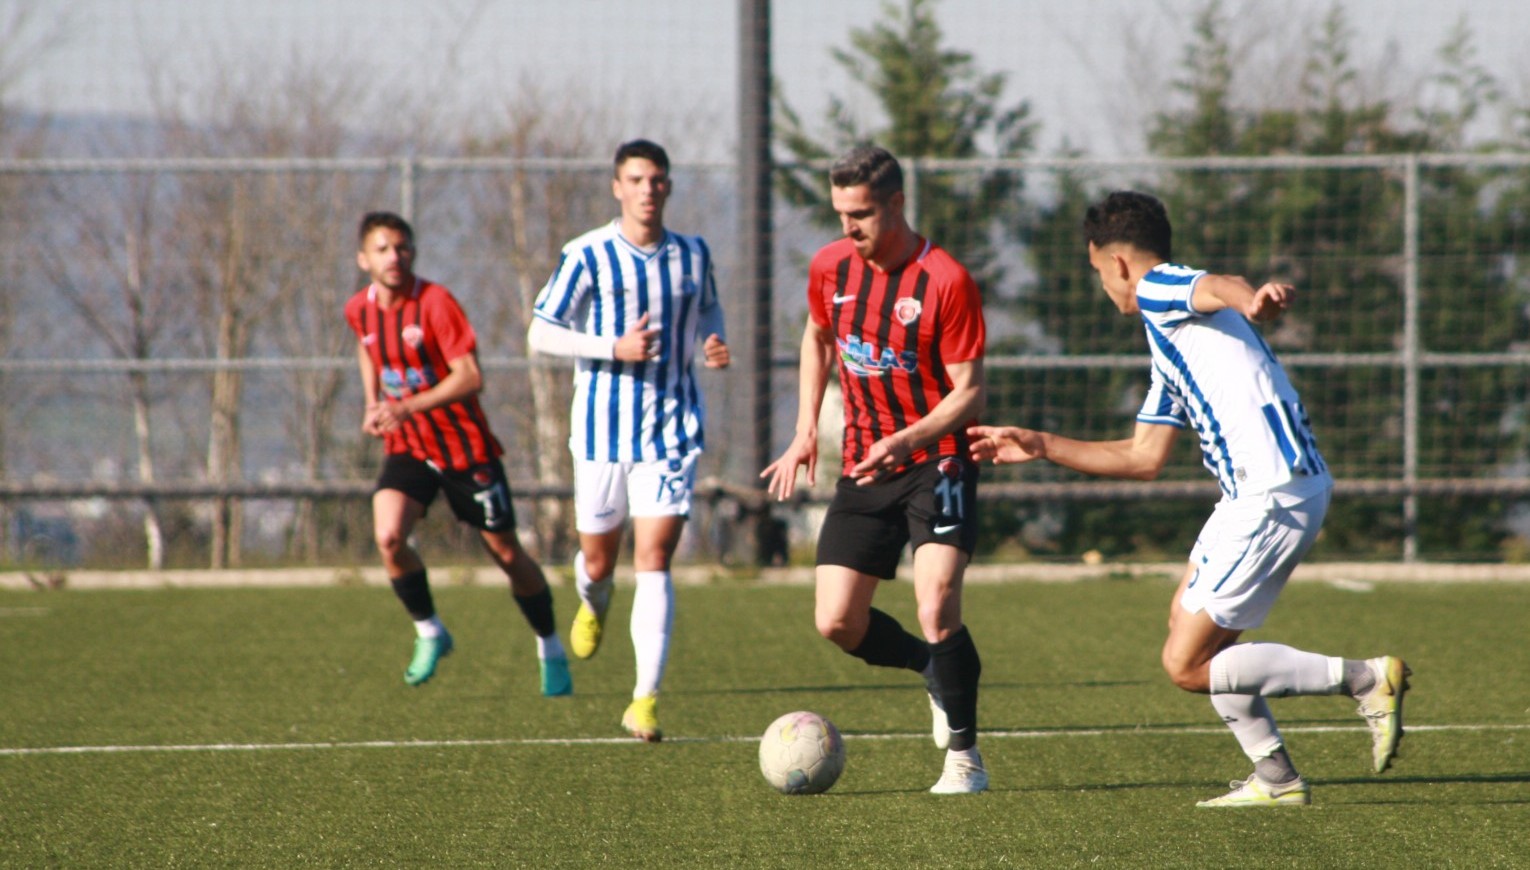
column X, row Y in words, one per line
column 418, row 358
column 905, row 322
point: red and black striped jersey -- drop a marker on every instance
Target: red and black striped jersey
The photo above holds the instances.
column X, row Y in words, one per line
column 410, row 344
column 895, row 334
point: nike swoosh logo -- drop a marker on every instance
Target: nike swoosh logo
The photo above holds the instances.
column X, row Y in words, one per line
column 840, row 300
column 941, row 530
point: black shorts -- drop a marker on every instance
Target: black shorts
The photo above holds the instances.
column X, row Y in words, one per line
column 479, row 496
column 867, row 526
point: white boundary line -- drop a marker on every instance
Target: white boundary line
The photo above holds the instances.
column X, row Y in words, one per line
column 1152, row 730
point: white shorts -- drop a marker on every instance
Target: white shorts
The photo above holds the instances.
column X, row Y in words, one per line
column 607, row 493
column 1247, row 551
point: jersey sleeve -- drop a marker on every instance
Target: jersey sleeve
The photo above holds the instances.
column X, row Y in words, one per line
column 711, row 320
column 449, row 324
column 1164, row 295
column 963, row 334
column 567, row 289
column 353, row 313
column 1162, row 406
column 818, row 294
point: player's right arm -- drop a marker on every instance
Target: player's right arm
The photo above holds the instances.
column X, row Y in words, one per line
column 1140, row 457
column 368, row 391
column 812, row 382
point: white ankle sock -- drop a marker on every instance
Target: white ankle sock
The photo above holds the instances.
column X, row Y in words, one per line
column 653, row 612
column 550, row 647
column 431, row 627
column 597, row 595
column 1274, row 670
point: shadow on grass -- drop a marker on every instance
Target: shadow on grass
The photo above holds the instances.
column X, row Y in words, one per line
column 899, row 687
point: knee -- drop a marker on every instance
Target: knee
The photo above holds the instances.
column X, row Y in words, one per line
column 840, row 631
column 390, row 541
column 598, row 566
column 653, row 557
column 1188, row 675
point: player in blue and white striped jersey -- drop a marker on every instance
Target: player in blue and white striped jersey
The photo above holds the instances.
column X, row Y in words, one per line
column 1212, row 370
column 633, row 302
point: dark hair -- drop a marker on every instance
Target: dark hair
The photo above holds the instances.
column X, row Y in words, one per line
column 869, row 165
column 644, row 149
column 374, row 219
column 1131, row 218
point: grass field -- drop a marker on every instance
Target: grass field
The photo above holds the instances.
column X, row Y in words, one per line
column 272, row 728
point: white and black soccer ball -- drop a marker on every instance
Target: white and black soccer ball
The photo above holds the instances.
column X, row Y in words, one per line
column 802, row 753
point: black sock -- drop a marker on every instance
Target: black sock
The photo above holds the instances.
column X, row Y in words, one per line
column 957, row 668
column 538, row 610
column 414, row 590
column 887, row 645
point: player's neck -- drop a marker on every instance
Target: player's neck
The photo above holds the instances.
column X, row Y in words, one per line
column 899, row 251
column 642, row 235
column 387, row 297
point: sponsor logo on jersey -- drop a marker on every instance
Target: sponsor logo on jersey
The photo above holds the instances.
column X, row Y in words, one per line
column 864, row 359
column 841, row 300
column 907, row 310
column 398, row 385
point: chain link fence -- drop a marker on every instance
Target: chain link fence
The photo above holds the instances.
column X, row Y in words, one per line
column 173, row 344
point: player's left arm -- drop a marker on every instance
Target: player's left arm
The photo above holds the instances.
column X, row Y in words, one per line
column 710, row 325
column 964, row 402
column 1216, row 292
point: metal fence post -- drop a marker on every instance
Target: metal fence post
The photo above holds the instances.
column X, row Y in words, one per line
column 1411, row 352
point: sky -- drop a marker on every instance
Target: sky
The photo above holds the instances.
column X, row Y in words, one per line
column 1088, row 67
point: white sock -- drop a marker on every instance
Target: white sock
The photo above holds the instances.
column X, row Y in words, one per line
column 550, row 647
column 1274, row 670
column 653, row 612
column 1251, row 722
column 597, row 595
column 431, row 627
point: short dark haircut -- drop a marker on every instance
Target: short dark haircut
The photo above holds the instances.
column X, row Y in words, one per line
column 871, row 166
column 1131, row 218
column 374, row 219
column 644, row 149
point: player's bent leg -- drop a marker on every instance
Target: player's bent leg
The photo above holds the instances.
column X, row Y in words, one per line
column 1382, row 708
column 1193, row 641
column 842, row 607
column 594, row 570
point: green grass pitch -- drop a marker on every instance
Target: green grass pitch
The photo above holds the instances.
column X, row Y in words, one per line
column 273, row 728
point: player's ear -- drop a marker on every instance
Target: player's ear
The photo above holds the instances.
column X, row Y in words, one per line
column 1119, row 265
column 361, row 261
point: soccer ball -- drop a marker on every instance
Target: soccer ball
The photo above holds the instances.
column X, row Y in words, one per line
column 802, row 753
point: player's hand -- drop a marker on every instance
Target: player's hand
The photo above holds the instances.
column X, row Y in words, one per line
column 388, row 416
column 782, row 474
column 369, row 422
column 639, row 344
column 1003, row 445
column 883, row 458
column 1269, row 302
column 717, row 354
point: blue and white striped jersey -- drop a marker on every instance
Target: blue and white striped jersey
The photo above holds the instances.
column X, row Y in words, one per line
column 1216, row 373
column 623, row 411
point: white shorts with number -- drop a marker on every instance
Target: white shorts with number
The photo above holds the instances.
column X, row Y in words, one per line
column 1248, row 549
column 607, row 493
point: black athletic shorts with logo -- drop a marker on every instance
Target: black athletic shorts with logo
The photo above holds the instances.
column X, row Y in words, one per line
column 867, row 526
column 479, row 496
